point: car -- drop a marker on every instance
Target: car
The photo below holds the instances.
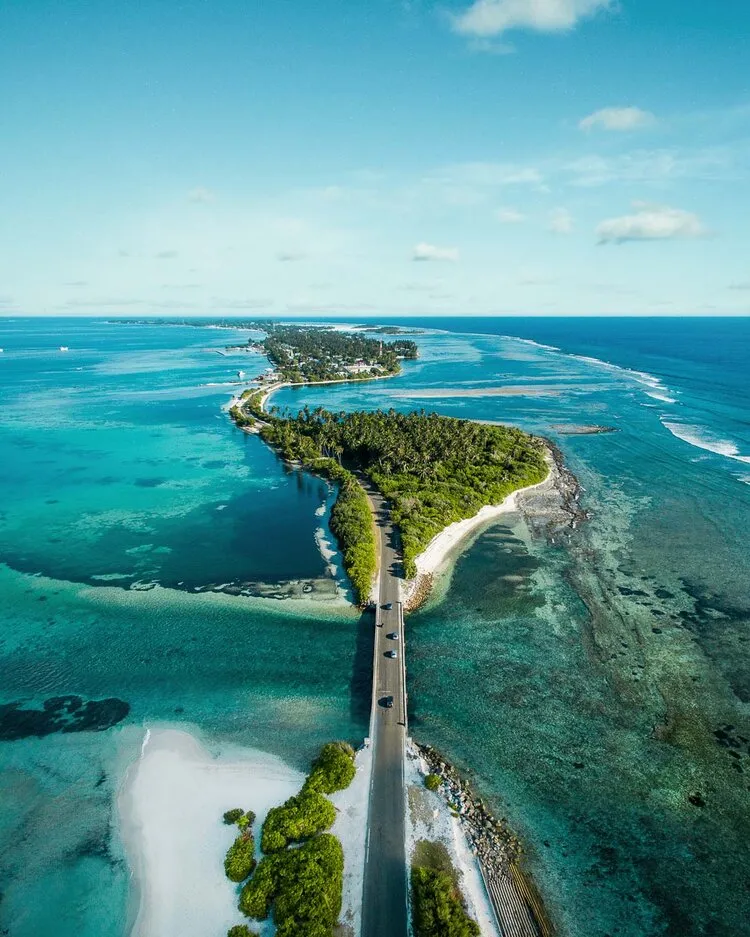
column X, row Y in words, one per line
column 391, row 654
column 393, row 636
column 386, row 702
column 387, row 607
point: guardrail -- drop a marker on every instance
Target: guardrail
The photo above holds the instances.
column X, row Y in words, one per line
column 404, row 704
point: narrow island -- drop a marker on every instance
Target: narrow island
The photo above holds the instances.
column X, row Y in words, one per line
column 410, row 487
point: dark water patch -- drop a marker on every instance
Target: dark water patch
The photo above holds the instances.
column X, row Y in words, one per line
column 150, row 482
column 214, row 464
column 60, row 714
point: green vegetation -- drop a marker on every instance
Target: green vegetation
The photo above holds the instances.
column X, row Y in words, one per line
column 240, row 930
column 432, row 782
column 438, row 908
column 333, row 770
column 304, row 886
column 304, row 354
column 298, row 819
column 239, row 861
column 434, row 470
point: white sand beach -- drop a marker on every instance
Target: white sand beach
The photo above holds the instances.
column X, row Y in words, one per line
column 439, row 549
column 170, row 809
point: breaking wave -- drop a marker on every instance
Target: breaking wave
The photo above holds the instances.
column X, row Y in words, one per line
column 703, row 439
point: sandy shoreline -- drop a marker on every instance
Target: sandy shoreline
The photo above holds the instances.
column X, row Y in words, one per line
column 438, row 551
column 170, row 808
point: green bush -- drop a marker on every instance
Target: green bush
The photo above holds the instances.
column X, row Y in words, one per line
column 333, row 770
column 298, row 819
column 240, row 930
column 437, row 906
column 240, row 858
column 304, row 886
column 232, row 816
column 258, row 893
column 246, row 820
column 432, row 782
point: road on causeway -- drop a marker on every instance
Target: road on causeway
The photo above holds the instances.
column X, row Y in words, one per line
column 384, row 906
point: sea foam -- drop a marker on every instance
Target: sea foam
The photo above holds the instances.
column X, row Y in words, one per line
column 702, row 438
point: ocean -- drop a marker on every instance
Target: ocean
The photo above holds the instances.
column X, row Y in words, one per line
column 594, row 687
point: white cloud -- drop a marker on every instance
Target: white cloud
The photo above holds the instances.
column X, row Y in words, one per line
column 201, row 195
column 618, row 118
column 425, row 251
column 650, row 223
column 650, row 166
column 485, row 18
column 509, row 216
column 560, row 221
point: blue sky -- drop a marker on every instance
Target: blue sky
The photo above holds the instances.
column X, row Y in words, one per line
column 496, row 157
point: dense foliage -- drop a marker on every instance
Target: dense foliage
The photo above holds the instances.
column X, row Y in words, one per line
column 434, row 469
column 240, row 930
column 304, row 354
column 333, row 770
column 432, row 782
column 437, row 906
column 232, row 816
column 301, row 817
column 304, row 886
column 239, row 861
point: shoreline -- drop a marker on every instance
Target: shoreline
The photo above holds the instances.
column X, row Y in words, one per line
column 439, row 551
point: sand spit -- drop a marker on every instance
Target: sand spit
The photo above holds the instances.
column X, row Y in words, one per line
column 518, row 390
column 170, row 809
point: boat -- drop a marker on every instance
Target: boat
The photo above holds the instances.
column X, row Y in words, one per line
column 63, row 348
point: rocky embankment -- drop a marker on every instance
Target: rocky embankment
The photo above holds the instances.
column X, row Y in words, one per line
column 516, row 902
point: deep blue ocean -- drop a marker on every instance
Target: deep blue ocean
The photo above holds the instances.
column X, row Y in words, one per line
column 596, row 687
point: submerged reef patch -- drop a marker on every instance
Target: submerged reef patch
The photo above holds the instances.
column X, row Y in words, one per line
column 60, row 714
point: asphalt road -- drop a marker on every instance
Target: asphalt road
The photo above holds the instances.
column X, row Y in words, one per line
column 384, row 909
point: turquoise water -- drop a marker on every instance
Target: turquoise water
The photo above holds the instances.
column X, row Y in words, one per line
column 597, row 688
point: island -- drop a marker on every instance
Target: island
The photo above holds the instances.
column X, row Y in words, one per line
column 410, row 486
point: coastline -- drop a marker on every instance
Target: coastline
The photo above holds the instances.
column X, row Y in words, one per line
column 436, row 556
column 170, row 808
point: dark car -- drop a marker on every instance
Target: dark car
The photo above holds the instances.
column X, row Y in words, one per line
column 393, row 636
column 387, row 607
column 386, row 702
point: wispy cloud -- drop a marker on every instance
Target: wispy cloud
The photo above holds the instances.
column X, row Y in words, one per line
column 201, row 195
column 487, row 18
column 426, row 252
column 650, row 223
column 652, row 166
column 560, row 221
column 290, row 256
column 618, row 119
column 509, row 216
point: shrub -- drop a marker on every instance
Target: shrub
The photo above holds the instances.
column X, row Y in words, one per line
column 246, row 820
column 304, row 885
column 432, row 782
column 232, row 816
column 437, row 906
column 333, row 769
column 258, row 893
column 240, row 930
column 240, row 858
column 298, row 819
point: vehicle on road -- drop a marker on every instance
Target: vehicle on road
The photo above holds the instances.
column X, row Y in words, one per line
column 386, row 702
column 387, row 607
column 393, row 636
column 391, row 654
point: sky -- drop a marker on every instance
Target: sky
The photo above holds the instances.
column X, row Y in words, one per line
column 374, row 157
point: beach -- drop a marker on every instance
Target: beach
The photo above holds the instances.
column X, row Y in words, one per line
column 170, row 815
column 437, row 552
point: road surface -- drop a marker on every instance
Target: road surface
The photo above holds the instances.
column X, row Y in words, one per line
column 384, row 908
